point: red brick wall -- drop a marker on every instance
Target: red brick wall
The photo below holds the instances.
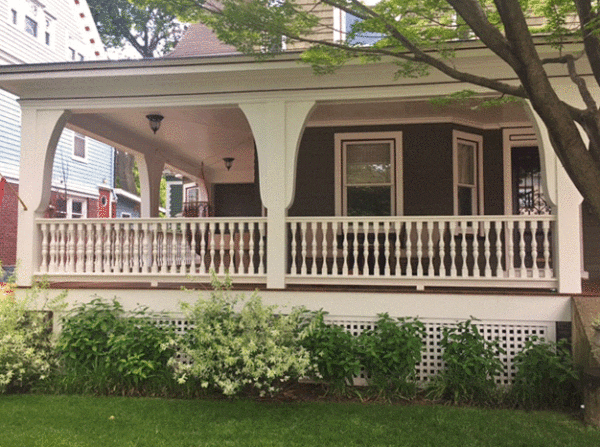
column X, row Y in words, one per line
column 8, row 226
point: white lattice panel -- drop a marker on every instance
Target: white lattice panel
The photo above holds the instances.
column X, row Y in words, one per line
column 512, row 335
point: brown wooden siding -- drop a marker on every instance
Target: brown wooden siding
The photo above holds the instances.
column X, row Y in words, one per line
column 427, row 169
column 591, row 242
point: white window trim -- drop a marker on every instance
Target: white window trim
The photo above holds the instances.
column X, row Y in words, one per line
column 478, row 141
column 340, row 139
column 70, row 208
column 86, row 148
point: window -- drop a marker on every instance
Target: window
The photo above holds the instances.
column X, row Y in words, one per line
column 79, row 146
column 77, row 209
column 13, row 13
column 31, row 26
column 191, row 194
column 468, row 174
column 72, row 53
column 47, row 38
column 369, row 174
column 80, row 56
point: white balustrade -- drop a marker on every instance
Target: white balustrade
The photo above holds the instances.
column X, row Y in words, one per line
column 432, row 249
column 153, row 247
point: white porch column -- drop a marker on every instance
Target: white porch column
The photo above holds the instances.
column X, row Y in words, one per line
column 277, row 128
column 566, row 201
column 40, row 132
column 151, row 169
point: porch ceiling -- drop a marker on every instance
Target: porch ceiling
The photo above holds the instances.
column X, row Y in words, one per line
column 188, row 137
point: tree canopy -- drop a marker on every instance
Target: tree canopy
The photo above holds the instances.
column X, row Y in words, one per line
column 423, row 35
column 149, row 30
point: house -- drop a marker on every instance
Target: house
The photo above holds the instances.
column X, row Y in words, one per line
column 33, row 31
column 352, row 193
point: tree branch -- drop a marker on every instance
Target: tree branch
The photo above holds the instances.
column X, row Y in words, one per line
column 590, row 39
column 474, row 15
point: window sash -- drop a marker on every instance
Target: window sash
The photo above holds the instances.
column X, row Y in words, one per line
column 368, row 177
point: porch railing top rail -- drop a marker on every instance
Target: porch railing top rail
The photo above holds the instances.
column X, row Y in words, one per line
column 480, row 218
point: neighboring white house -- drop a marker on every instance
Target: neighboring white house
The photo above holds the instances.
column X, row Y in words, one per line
column 369, row 199
column 33, row 31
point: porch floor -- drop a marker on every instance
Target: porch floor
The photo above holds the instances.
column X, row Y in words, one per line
column 590, row 287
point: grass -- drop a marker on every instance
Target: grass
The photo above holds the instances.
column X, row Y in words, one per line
column 41, row 420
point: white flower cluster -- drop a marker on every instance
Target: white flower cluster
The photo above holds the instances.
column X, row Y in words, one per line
column 255, row 348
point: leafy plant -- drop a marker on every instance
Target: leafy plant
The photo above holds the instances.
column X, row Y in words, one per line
column 471, row 363
column 333, row 351
column 103, row 349
column 25, row 344
column 390, row 352
column 545, row 376
column 233, row 351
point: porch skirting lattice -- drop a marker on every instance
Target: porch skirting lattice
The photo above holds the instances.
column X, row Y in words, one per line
column 512, row 336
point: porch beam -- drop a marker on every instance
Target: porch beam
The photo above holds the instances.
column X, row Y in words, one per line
column 40, row 132
column 277, row 128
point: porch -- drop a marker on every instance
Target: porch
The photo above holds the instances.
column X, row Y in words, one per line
column 310, row 157
column 449, row 251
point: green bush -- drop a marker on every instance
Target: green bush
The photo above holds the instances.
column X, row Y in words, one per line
column 390, row 352
column 545, row 376
column 105, row 350
column 333, row 351
column 471, row 364
column 253, row 349
column 25, row 346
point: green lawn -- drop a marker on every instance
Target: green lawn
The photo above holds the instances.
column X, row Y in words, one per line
column 36, row 420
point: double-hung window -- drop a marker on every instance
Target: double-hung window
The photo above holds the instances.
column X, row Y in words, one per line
column 468, row 174
column 368, row 170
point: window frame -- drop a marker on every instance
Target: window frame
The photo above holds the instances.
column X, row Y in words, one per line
column 84, row 208
column 342, row 140
column 475, row 141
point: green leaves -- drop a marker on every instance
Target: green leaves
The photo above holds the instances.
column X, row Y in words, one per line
column 546, row 377
column 471, row 364
column 111, row 350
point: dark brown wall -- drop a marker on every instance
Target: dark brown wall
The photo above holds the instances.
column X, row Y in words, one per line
column 591, row 242
column 236, row 200
column 427, row 169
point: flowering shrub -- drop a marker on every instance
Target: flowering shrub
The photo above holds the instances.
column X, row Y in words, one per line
column 231, row 351
column 25, row 349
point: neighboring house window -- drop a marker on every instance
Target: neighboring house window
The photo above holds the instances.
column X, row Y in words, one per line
column 191, row 194
column 79, row 146
column 31, row 26
column 76, row 209
column 365, row 39
column 80, row 56
column 468, row 174
column 13, row 16
column 72, row 53
column 126, row 215
column 368, row 167
column 47, row 38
